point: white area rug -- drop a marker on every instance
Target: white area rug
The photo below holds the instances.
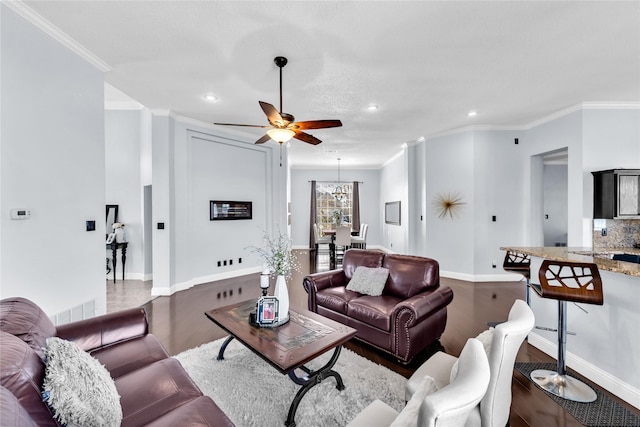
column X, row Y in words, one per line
column 252, row 393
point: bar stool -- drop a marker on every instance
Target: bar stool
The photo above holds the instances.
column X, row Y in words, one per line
column 517, row 262
column 567, row 281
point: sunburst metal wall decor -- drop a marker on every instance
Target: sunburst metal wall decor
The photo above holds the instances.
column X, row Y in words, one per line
column 448, row 204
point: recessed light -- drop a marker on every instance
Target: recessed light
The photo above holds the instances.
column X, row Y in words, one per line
column 373, row 107
column 210, row 97
column 472, row 113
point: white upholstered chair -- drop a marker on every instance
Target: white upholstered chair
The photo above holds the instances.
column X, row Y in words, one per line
column 360, row 241
column 319, row 240
column 343, row 240
column 503, row 343
column 448, row 406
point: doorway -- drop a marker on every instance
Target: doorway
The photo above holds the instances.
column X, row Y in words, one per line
column 555, row 198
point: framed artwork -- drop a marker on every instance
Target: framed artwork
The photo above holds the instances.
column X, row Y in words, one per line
column 267, row 311
column 392, row 213
column 229, row 210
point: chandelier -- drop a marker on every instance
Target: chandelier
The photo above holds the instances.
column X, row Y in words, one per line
column 339, row 192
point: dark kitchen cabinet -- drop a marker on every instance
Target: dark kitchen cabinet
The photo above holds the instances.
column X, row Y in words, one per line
column 616, row 194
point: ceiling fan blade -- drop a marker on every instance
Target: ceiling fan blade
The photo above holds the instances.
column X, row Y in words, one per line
column 272, row 114
column 249, row 126
column 316, row 124
column 264, row 139
column 306, row 137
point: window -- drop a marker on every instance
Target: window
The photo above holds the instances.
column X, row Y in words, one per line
column 328, row 209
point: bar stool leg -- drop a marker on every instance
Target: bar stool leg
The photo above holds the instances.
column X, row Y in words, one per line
column 558, row 382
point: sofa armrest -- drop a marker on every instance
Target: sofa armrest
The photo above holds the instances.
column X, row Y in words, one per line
column 101, row 331
column 426, row 303
column 319, row 281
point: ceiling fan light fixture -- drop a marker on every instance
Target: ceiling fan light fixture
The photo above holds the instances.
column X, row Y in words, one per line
column 210, row 97
column 280, row 135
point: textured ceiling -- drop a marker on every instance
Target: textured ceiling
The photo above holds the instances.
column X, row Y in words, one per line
column 427, row 64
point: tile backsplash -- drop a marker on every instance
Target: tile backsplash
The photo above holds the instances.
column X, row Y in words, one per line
column 621, row 233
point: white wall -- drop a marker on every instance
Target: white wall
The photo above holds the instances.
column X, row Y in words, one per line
column 394, row 187
column 498, row 191
column 449, row 164
column 53, row 162
column 370, row 205
column 193, row 165
column 123, row 184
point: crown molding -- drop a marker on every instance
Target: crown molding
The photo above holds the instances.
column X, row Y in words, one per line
column 48, row 28
column 584, row 106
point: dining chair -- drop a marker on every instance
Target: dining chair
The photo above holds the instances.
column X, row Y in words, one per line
column 319, row 240
column 343, row 240
column 360, row 241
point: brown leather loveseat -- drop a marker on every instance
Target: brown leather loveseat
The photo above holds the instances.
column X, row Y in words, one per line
column 409, row 315
column 154, row 389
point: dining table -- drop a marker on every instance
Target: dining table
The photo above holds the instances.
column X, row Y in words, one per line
column 332, row 246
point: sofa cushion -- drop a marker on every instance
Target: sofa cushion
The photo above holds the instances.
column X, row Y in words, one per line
column 200, row 412
column 336, row 298
column 154, row 390
column 374, row 311
column 22, row 373
column 11, row 412
column 410, row 275
column 25, row 320
column 130, row 355
column 369, row 281
column 78, row 387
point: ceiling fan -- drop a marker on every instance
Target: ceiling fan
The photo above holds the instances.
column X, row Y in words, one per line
column 283, row 125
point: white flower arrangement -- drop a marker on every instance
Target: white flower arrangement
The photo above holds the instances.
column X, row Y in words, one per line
column 276, row 254
column 337, row 216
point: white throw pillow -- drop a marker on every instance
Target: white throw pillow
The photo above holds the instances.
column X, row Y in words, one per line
column 409, row 415
column 78, row 388
column 368, row 280
column 485, row 337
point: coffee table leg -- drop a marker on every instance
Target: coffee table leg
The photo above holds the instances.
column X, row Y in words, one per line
column 224, row 347
column 310, row 380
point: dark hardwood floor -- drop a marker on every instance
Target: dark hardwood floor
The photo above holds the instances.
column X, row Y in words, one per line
column 179, row 322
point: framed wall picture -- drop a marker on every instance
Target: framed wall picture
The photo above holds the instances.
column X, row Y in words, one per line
column 392, row 213
column 229, row 210
column 267, row 311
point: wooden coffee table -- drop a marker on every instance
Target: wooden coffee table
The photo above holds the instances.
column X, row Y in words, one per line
column 287, row 347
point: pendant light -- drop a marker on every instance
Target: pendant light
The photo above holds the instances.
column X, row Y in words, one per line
column 339, row 192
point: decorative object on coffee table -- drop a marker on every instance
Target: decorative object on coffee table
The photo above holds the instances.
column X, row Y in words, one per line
column 279, row 260
column 264, row 280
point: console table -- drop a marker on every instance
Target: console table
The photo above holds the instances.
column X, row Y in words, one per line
column 114, row 253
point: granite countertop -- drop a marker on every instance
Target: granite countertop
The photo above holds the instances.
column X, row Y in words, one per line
column 599, row 256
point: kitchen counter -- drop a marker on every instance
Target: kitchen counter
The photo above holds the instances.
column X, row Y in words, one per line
column 599, row 256
column 606, row 343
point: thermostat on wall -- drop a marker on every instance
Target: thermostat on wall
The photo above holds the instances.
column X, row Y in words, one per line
column 20, row 214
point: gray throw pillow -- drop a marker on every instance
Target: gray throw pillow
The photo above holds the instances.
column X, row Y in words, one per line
column 368, row 281
column 78, row 388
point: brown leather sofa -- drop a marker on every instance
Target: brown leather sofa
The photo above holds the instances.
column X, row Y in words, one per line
column 154, row 388
column 410, row 314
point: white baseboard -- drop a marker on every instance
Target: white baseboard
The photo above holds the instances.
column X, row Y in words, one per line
column 612, row 384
